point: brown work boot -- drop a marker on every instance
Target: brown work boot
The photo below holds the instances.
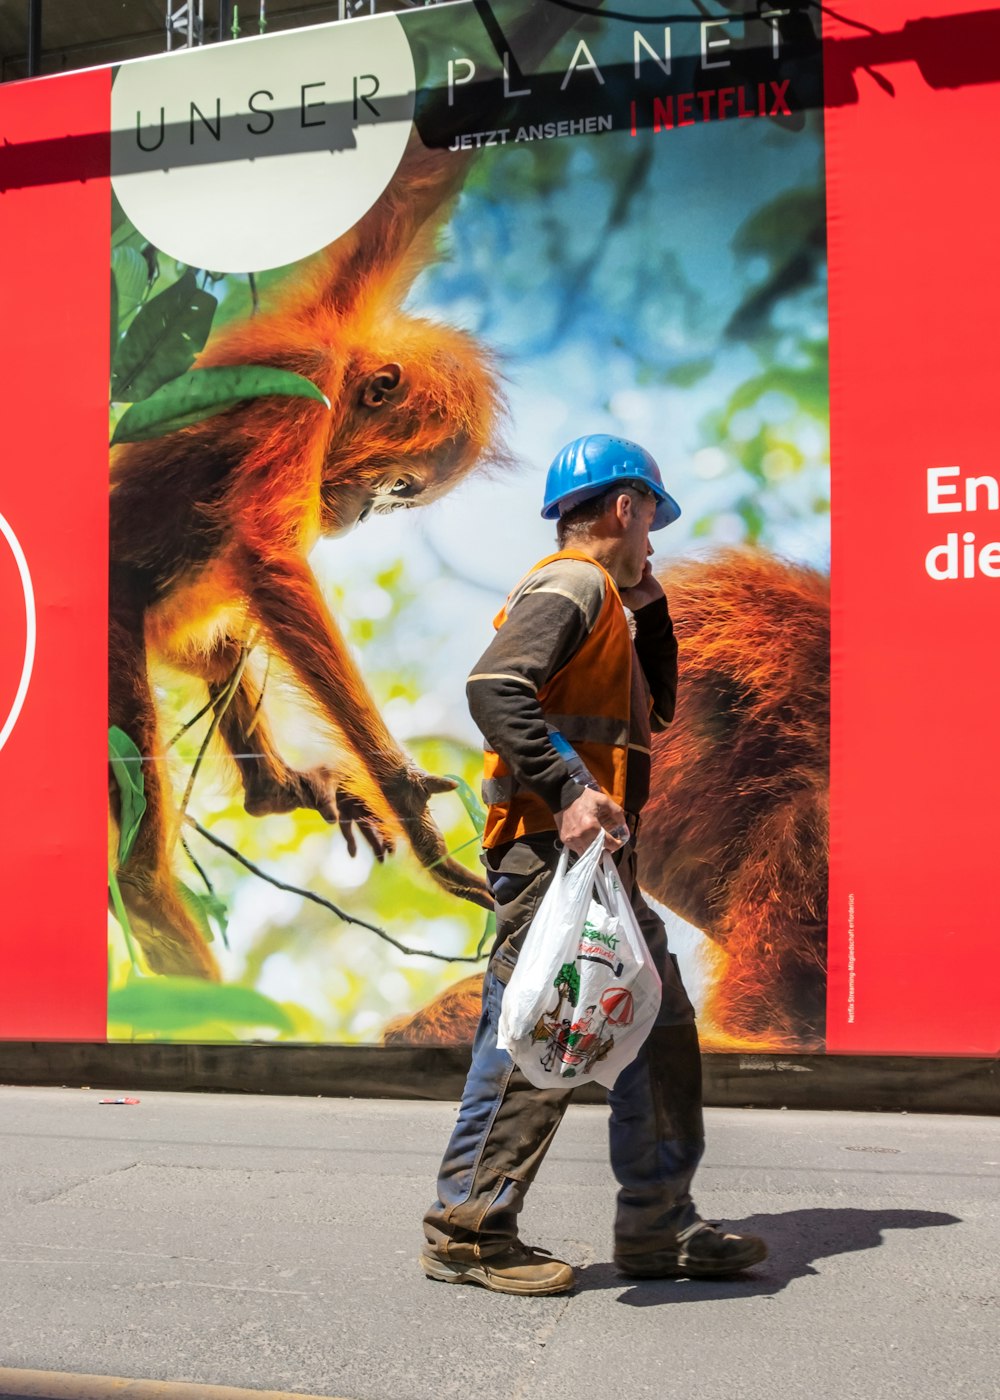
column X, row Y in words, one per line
column 519, row 1269
column 702, row 1251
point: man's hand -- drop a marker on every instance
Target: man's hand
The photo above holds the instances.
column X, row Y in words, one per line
column 647, row 590
column 579, row 824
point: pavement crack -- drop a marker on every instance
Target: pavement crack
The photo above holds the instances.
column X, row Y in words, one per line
column 234, row 1288
column 84, row 1180
column 543, row 1335
column 90, row 1249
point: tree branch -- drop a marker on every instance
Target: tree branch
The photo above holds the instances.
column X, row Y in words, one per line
column 255, row 718
column 198, row 866
column 220, row 705
column 328, row 904
column 189, row 723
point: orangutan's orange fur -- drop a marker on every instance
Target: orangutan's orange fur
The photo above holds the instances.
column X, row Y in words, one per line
column 450, row 1019
column 211, row 525
column 735, row 833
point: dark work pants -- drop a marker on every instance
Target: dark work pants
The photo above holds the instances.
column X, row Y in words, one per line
column 505, row 1124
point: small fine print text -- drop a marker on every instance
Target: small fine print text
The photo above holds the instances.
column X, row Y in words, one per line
column 850, row 959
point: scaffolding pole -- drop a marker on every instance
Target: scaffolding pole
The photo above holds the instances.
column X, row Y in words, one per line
column 34, row 38
column 185, row 24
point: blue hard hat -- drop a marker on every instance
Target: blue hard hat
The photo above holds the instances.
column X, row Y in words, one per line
column 594, row 464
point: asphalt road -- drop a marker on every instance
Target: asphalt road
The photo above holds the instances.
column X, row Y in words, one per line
column 271, row 1244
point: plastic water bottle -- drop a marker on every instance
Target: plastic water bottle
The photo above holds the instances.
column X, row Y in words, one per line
column 581, row 774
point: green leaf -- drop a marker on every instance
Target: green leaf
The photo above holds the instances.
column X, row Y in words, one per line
column 132, row 276
column 126, row 764
column 163, row 340
column 121, row 914
column 203, row 392
column 114, row 312
column 167, row 1004
column 118, row 215
column 470, row 802
column 192, row 903
column 217, row 911
column 208, row 911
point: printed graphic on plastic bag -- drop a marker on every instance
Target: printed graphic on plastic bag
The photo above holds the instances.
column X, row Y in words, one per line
column 584, row 992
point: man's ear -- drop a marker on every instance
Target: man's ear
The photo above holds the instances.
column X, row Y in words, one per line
column 624, row 508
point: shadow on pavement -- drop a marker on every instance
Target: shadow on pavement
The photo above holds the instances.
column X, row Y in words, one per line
column 797, row 1239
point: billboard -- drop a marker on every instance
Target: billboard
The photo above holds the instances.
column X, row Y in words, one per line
column 365, row 280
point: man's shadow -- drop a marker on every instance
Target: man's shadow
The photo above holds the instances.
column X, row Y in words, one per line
column 796, row 1240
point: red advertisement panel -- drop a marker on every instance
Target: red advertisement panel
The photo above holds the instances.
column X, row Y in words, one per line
column 54, row 229
column 356, row 274
column 914, row 946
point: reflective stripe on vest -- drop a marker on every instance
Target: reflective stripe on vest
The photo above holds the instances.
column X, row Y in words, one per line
column 498, row 790
column 588, row 700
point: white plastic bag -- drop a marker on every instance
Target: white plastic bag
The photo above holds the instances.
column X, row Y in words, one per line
column 584, row 991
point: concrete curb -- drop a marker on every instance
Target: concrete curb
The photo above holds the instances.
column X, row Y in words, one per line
column 56, row 1385
column 919, row 1084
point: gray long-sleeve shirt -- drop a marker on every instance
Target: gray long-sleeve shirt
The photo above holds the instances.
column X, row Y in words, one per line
column 549, row 616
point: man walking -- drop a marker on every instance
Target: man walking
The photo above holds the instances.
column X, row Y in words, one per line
column 564, row 659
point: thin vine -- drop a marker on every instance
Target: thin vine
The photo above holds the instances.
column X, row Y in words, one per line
column 328, row 904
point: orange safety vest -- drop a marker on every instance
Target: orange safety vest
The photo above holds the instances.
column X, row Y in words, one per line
column 588, row 701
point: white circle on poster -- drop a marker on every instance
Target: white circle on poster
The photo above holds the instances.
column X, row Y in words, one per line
column 244, row 156
column 20, row 592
